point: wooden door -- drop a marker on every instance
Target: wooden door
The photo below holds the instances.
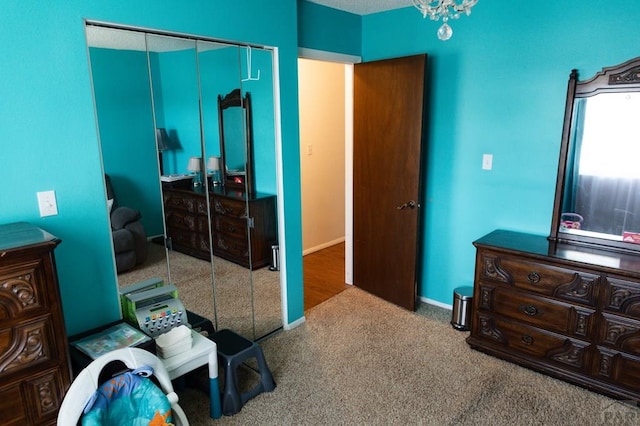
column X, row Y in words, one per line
column 388, row 133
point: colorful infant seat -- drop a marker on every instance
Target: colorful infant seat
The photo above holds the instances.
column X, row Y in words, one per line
column 128, row 399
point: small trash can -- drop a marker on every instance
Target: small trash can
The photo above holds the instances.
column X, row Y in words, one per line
column 461, row 314
column 275, row 258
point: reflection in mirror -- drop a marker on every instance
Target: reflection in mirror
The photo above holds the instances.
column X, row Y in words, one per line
column 174, row 77
column 600, row 202
column 121, row 87
column 603, row 191
column 257, row 81
column 219, row 68
column 234, row 140
column 155, row 84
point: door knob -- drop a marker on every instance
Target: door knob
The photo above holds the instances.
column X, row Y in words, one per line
column 409, row 204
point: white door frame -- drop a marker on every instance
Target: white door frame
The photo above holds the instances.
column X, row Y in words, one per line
column 349, row 61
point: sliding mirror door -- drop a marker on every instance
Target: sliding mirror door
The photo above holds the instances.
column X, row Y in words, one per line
column 176, row 103
column 257, row 80
column 219, row 72
column 124, row 113
column 158, row 107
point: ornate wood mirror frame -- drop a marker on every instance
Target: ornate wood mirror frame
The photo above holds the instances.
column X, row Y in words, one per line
column 597, row 203
column 236, row 136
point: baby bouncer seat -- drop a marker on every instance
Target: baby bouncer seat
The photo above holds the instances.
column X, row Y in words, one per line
column 90, row 390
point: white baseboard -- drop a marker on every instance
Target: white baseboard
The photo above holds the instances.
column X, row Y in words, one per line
column 323, row 246
column 294, row 324
column 436, row 303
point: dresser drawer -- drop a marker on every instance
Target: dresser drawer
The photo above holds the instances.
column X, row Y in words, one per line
column 12, row 407
column 34, row 401
column 533, row 341
column 187, row 222
column 22, row 290
column 538, row 277
column 620, row 333
column 185, row 201
column 25, row 345
column 236, row 248
column 230, row 207
column 618, row 368
column 550, row 314
column 622, row 296
column 233, row 227
column 192, row 240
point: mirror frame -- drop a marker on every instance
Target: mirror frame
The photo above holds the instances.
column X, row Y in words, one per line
column 235, row 99
column 624, row 77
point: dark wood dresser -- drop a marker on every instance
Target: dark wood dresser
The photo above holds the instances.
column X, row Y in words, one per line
column 35, row 370
column 567, row 311
column 243, row 228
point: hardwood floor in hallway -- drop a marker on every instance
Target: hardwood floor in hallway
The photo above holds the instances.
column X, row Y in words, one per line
column 323, row 275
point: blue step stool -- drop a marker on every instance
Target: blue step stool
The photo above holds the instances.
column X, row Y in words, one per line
column 233, row 350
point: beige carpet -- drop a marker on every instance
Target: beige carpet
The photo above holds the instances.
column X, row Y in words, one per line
column 239, row 292
column 361, row 361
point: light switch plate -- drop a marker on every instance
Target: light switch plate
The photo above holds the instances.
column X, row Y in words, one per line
column 487, row 161
column 47, row 203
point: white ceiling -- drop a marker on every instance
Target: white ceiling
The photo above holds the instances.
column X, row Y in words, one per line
column 364, row 7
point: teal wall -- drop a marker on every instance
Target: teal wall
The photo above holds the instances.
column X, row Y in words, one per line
column 327, row 29
column 125, row 118
column 498, row 87
column 49, row 136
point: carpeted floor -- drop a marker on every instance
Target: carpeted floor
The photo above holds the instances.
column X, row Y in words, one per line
column 358, row 360
column 241, row 295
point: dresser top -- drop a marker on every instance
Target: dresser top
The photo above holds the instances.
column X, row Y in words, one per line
column 21, row 234
column 540, row 246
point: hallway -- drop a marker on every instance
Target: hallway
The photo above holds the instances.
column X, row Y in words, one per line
column 323, row 275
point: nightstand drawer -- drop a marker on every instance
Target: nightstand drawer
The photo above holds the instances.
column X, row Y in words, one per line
column 538, row 277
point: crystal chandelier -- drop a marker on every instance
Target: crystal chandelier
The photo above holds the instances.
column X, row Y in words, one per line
column 445, row 9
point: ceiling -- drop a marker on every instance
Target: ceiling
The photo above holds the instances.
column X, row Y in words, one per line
column 364, row 7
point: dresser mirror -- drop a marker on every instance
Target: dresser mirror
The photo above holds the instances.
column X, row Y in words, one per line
column 144, row 81
column 234, row 116
column 597, row 199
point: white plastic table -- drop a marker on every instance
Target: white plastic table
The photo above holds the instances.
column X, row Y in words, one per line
column 203, row 351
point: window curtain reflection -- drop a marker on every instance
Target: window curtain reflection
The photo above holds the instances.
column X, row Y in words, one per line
column 608, row 204
column 573, row 175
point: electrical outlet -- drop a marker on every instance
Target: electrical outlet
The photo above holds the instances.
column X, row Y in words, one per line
column 47, row 203
column 487, row 161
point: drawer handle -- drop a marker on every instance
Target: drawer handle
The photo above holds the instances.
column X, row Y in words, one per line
column 530, row 310
column 533, row 277
column 526, row 340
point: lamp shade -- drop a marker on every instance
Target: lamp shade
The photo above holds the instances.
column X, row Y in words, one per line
column 194, row 164
column 162, row 139
column 213, row 163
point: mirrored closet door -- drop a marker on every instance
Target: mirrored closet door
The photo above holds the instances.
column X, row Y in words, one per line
column 187, row 135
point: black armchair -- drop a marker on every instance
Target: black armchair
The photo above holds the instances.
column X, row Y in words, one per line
column 129, row 237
